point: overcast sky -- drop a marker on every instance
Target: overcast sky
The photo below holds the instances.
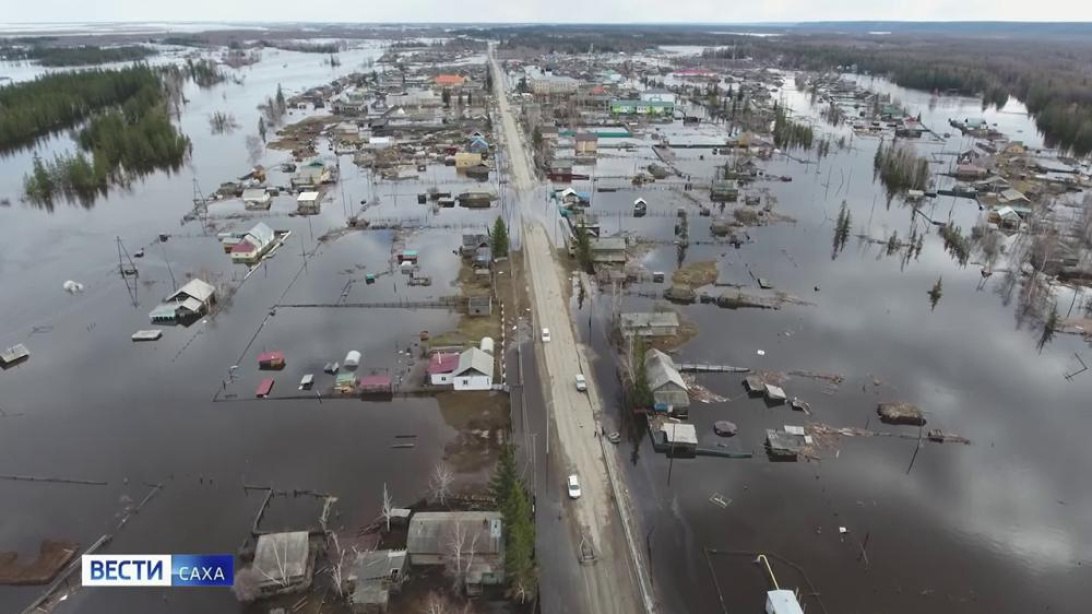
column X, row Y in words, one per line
column 585, row 11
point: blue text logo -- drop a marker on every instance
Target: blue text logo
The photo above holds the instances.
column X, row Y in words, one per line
column 158, row 570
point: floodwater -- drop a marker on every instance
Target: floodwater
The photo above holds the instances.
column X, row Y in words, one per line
column 92, row 405
column 1001, row 525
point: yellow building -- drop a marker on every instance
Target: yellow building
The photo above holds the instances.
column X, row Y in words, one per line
column 464, row 159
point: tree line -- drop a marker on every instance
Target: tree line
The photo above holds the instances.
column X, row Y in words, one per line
column 83, row 55
column 57, row 101
column 510, row 494
column 127, row 132
column 1053, row 80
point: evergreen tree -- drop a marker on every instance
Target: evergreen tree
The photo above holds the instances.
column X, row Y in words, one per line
column 282, row 105
column 583, row 248
column 499, row 238
column 261, row 128
column 936, row 292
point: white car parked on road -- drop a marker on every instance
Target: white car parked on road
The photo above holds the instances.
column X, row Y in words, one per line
column 574, row 487
column 545, row 335
column 581, row 383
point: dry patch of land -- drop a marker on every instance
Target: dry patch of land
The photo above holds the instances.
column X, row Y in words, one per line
column 695, row 274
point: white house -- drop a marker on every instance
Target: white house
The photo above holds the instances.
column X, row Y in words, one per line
column 254, row 245
column 256, row 198
column 658, row 96
column 474, row 372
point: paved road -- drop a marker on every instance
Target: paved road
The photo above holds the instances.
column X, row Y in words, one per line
column 611, row 578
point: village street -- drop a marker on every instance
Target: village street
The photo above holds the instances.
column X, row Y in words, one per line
column 604, row 543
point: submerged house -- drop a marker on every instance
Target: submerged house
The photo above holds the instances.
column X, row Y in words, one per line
column 309, row 202
column 188, row 303
column 285, row 563
column 586, row 143
column 371, row 579
column 432, row 533
column 255, row 244
column 311, row 176
column 667, row 384
column 257, row 198
column 650, row 323
column 608, row 250
column 724, row 191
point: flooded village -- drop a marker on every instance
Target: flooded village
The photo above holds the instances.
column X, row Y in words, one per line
column 452, row 319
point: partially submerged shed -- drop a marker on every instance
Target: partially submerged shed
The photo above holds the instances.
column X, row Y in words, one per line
column 377, row 383
column 431, row 534
column 14, row 354
column 667, row 384
column 372, row 577
column 285, row 562
column 650, row 323
column 901, row 413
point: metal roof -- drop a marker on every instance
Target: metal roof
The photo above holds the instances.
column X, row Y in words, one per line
column 650, row 319
column 608, row 243
column 782, row 602
column 680, row 433
column 256, row 195
column 261, row 234
column 191, row 304
column 307, row 197
column 474, row 359
column 429, row 532
column 165, row 311
column 443, row 363
column 661, row 371
column 282, row 556
column 196, row 288
column 377, row 564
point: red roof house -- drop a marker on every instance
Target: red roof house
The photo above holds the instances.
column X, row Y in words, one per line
column 440, row 367
column 376, row 384
column 449, row 80
column 271, row 360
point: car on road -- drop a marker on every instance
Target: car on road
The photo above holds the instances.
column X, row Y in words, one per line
column 574, row 487
column 581, row 383
column 545, row 335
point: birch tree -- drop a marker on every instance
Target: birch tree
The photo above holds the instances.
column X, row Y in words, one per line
column 440, row 482
column 339, row 559
column 388, row 507
column 460, row 547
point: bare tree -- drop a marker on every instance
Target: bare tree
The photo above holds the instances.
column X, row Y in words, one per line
column 460, row 548
column 436, row 603
column 388, row 507
column 339, row 559
column 440, row 483
column 245, row 586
